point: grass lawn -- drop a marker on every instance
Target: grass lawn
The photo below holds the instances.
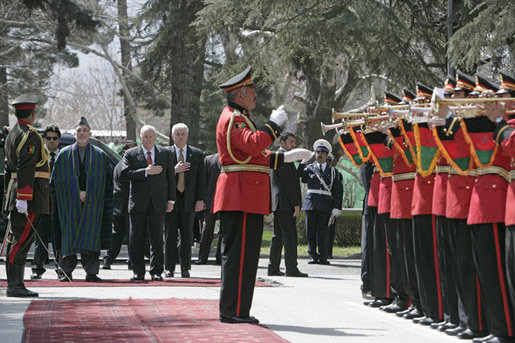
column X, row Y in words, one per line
column 302, row 250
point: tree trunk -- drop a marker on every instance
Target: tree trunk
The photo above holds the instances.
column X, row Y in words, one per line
column 187, row 64
column 4, row 106
column 130, row 123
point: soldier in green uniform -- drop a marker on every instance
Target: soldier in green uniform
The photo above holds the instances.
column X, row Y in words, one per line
column 28, row 192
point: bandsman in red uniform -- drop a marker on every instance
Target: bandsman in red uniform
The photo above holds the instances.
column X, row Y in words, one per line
column 28, row 192
column 242, row 194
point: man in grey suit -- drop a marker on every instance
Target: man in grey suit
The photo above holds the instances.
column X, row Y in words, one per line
column 150, row 170
column 286, row 201
column 190, row 194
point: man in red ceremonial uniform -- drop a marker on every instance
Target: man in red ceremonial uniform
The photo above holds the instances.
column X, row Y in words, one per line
column 28, row 191
column 242, row 194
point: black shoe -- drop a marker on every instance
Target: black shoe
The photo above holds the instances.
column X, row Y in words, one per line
column 93, row 278
column 325, row 262
column 296, row 273
column 455, row 331
column 66, row 277
column 169, row 273
column 275, row 273
column 496, row 339
column 426, row 321
column 312, row 261
column 437, row 325
column 483, row 339
column 406, row 311
column 415, row 313
column 156, row 277
column 185, row 273
column 378, row 302
column 393, row 308
column 35, row 276
column 106, row 265
column 200, row 262
column 21, row 292
column 137, row 277
column 447, row 326
column 469, row 334
column 238, row 320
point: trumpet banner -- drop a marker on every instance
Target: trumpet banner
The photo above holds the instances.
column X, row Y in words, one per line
column 349, row 147
column 478, row 133
column 380, row 154
column 426, row 148
column 400, row 146
column 361, row 146
column 454, row 148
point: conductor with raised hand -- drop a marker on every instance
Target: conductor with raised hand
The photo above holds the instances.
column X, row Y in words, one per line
column 242, row 194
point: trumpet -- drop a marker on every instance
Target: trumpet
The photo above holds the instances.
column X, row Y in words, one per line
column 347, row 115
column 469, row 107
column 326, row 128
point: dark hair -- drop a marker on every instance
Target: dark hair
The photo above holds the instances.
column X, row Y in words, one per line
column 285, row 135
column 52, row 128
column 22, row 114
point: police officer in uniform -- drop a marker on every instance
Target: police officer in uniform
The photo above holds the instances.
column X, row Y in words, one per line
column 28, row 192
column 242, row 193
column 323, row 201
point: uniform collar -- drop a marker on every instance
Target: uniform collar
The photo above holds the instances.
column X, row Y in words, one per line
column 239, row 108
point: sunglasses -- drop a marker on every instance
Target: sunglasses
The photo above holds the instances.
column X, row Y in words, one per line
column 52, row 138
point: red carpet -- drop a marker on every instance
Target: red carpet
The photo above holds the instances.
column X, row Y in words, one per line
column 190, row 282
column 135, row 320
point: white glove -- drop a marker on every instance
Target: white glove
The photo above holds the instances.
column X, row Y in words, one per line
column 335, row 212
column 21, row 206
column 304, row 161
column 296, row 155
column 279, row 116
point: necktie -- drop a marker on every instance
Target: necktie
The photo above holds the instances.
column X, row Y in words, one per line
column 180, row 182
column 320, row 167
column 52, row 160
column 149, row 157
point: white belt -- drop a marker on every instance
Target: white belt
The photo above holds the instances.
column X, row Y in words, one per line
column 319, row 191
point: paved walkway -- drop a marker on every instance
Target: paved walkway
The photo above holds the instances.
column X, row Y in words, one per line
column 326, row 307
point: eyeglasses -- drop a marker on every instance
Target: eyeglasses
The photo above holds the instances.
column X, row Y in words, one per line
column 54, row 138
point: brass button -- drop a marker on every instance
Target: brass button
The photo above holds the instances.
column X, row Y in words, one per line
column 257, row 182
column 493, row 186
column 449, row 175
column 468, row 187
column 407, row 188
column 476, row 180
column 429, row 182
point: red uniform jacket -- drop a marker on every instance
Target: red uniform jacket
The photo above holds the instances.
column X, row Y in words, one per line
column 422, row 202
column 440, row 187
column 246, row 191
column 373, row 192
column 508, row 147
column 402, row 185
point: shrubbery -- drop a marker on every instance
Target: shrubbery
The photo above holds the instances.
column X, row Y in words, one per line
column 347, row 231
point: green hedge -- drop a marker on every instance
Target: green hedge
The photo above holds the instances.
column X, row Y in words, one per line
column 347, row 230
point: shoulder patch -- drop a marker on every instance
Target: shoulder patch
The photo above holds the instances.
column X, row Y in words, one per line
column 30, row 149
column 240, row 126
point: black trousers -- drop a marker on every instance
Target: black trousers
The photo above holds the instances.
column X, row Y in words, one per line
column 468, row 290
column 179, row 221
column 409, row 263
column 208, row 231
column 399, row 279
column 331, row 230
column 510, row 262
column 20, row 236
column 241, row 244
column 366, row 244
column 120, row 228
column 447, row 271
column 89, row 260
column 285, row 233
column 488, row 248
column 139, row 224
column 381, row 285
column 426, row 265
column 317, row 234
column 41, row 244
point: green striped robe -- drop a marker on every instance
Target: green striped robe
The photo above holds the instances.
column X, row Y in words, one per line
column 82, row 227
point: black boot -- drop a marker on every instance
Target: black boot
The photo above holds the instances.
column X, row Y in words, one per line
column 15, row 286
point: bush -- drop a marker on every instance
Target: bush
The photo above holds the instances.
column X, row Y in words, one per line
column 347, row 230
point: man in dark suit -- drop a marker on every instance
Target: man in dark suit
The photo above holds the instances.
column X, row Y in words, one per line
column 190, row 192
column 286, row 200
column 52, row 136
column 323, row 201
column 120, row 210
column 212, row 166
column 150, row 170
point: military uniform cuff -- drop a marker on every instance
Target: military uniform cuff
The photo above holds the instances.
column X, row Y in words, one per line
column 272, row 129
column 276, row 159
column 25, row 193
